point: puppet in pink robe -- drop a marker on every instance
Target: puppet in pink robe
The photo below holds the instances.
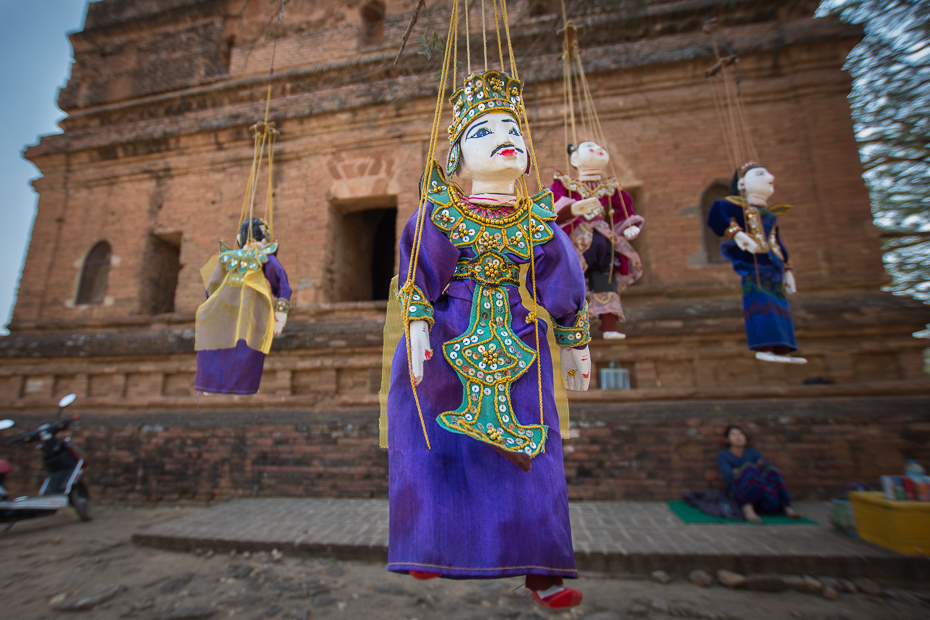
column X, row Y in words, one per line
column 584, row 207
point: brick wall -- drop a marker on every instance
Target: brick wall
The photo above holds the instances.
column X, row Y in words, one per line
column 649, row 451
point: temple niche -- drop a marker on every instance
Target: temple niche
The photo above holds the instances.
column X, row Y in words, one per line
column 149, row 172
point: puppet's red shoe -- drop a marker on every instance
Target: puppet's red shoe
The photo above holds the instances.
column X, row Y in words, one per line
column 563, row 599
column 423, row 575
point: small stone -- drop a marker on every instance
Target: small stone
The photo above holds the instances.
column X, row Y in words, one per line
column 700, row 578
column 390, row 588
column 276, row 555
column 177, row 584
column 830, row 582
column 794, row 582
column 246, row 555
column 209, row 554
column 868, row 586
column 659, row 605
column 240, row 571
column 426, row 600
column 89, row 601
column 765, row 583
column 813, row 586
column 830, row 594
column 848, row 586
column 730, row 579
column 198, row 551
column 143, row 603
column 57, row 599
column 661, row 576
column 322, row 599
column 638, row 610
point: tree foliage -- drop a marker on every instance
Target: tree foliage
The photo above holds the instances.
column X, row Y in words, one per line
column 890, row 102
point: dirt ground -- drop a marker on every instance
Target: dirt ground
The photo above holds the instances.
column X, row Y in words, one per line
column 59, row 567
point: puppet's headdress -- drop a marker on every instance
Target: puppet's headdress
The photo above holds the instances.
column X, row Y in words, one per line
column 739, row 173
column 482, row 93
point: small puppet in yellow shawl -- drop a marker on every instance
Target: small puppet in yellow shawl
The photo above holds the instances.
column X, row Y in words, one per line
column 248, row 298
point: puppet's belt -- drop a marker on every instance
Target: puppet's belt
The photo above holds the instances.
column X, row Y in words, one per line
column 490, row 268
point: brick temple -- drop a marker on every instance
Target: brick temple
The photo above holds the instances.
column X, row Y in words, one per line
column 149, row 174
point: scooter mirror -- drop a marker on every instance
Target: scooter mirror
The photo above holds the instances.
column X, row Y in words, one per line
column 67, row 400
column 4, row 424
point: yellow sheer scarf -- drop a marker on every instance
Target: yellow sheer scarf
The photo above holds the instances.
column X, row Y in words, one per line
column 394, row 329
column 239, row 308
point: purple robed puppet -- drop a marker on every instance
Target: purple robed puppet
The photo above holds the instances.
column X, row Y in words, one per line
column 247, row 303
column 487, row 497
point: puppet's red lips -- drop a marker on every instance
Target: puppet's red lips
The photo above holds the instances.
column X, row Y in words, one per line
column 508, row 152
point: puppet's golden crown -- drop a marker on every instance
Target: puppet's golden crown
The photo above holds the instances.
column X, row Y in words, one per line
column 483, row 93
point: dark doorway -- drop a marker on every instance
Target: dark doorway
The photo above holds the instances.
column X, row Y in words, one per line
column 161, row 266
column 363, row 254
column 716, row 191
column 372, row 22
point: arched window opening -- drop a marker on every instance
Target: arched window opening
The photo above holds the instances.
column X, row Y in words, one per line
column 94, row 275
column 372, row 22
column 716, row 191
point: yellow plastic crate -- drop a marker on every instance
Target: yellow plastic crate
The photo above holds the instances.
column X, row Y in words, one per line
column 901, row 526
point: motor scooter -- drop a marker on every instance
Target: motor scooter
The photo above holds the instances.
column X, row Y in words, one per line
column 65, row 464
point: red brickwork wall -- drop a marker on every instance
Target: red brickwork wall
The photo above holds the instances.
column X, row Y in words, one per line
column 648, row 451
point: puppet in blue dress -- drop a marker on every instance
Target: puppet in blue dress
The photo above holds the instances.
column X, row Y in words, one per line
column 754, row 247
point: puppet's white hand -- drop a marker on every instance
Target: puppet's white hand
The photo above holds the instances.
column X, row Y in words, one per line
column 745, row 242
column 631, row 232
column 586, row 206
column 420, row 350
column 791, row 287
column 576, row 368
column 280, row 320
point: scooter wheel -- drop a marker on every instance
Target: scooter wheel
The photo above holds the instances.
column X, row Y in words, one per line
column 80, row 501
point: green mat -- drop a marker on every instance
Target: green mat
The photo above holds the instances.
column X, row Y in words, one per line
column 689, row 514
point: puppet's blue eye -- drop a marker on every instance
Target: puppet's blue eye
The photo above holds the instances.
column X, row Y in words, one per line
column 514, row 132
column 480, row 133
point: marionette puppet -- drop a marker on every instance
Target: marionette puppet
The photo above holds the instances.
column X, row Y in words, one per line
column 597, row 214
column 754, row 247
column 477, row 482
column 248, row 298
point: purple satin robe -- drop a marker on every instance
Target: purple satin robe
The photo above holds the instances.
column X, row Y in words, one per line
column 461, row 509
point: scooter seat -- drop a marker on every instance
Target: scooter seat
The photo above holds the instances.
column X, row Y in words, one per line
column 5, row 467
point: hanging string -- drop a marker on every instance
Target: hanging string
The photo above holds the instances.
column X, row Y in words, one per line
column 497, row 29
column 484, row 37
column 467, row 39
column 506, row 19
column 421, row 207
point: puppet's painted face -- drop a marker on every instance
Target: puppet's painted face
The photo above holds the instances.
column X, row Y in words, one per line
column 590, row 156
column 758, row 182
column 493, row 149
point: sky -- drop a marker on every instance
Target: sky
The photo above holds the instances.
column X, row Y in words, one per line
column 35, row 61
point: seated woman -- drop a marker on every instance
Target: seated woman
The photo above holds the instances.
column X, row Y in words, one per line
column 752, row 481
